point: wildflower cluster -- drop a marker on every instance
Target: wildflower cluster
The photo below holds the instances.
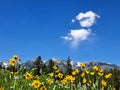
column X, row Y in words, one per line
column 83, row 78
column 14, row 60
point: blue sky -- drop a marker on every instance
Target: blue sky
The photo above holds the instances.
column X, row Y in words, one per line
column 85, row 30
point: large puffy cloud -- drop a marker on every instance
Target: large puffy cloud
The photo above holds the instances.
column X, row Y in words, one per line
column 77, row 36
column 86, row 19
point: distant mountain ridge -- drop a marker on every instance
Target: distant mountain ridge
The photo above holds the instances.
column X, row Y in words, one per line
column 62, row 64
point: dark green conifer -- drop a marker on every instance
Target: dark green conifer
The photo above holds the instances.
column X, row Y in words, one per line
column 69, row 66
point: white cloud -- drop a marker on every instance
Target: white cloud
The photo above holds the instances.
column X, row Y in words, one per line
column 86, row 19
column 77, row 36
column 67, row 38
column 73, row 20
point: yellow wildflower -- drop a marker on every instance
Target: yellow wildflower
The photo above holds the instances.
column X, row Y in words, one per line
column 1, row 88
column 28, row 76
column 55, row 67
column 100, row 73
column 73, row 72
column 43, row 88
column 12, row 62
column 108, row 75
column 83, row 74
column 16, row 57
column 64, row 81
column 36, row 84
column 82, row 64
column 95, row 68
column 104, row 83
column 84, row 80
column 60, row 75
column 77, row 71
column 92, row 73
column 101, row 70
column 49, row 81
column 57, row 71
column 70, row 78
column 67, row 77
column 51, row 74
column 87, row 71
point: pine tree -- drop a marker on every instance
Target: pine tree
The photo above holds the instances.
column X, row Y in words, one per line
column 44, row 69
column 69, row 66
column 50, row 66
column 38, row 64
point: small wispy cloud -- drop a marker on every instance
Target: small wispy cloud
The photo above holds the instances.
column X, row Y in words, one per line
column 73, row 20
column 77, row 36
column 86, row 19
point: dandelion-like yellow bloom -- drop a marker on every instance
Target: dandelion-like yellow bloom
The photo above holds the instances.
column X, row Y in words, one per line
column 87, row 71
column 101, row 70
column 92, row 73
column 1, row 88
column 82, row 64
column 16, row 57
column 64, row 81
column 95, row 68
column 108, row 75
column 84, row 80
column 77, row 71
column 12, row 62
column 43, row 88
column 57, row 71
column 36, row 84
column 104, row 83
column 73, row 72
column 55, row 67
column 28, row 76
column 100, row 73
column 51, row 74
column 60, row 75
column 83, row 74
column 49, row 81
column 70, row 78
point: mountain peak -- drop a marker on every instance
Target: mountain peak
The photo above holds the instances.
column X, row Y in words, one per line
column 62, row 63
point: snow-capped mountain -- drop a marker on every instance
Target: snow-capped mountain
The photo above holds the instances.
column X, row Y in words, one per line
column 62, row 64
column 28, row 63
